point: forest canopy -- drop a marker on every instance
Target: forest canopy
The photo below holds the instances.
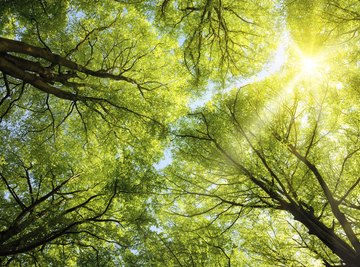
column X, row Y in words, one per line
column 179, row 133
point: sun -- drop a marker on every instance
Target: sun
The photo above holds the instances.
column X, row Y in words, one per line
column 313, row 66
column 309, row 62
column 309, row 65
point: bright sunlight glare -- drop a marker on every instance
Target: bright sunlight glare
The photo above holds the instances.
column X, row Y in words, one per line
column 313, row 66
column 309, row 65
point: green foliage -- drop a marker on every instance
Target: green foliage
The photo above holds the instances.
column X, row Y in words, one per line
column 93, row 92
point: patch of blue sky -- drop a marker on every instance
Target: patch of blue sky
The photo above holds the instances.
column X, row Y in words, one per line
column 75, row 15
column 19, row 31
column 181, row 40
column 156, row 229
column 165, row 160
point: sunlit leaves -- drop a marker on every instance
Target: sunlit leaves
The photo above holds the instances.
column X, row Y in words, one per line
column 284, row 143
column 78, row 170
column 262, row 174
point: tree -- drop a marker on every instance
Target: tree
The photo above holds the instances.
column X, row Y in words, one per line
column 285, row 161
column 279, row 150
column 263, row 174
column 78, row 128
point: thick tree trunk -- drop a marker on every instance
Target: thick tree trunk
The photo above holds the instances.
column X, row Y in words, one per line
column 326, row 235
